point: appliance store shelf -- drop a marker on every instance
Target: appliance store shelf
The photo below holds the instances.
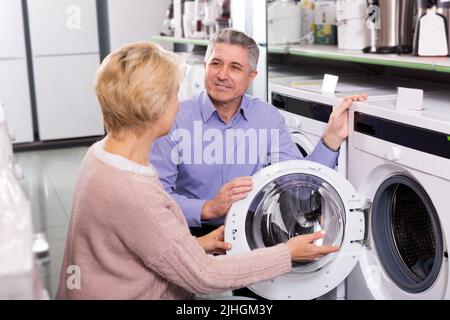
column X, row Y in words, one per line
column 439, row 64
column 196, row 42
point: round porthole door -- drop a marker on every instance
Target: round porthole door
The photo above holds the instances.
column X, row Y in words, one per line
column 296, row 198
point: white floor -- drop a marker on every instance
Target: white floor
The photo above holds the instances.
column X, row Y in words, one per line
column 49, row 183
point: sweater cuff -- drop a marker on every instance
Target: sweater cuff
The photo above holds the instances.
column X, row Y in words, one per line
column 284, row 256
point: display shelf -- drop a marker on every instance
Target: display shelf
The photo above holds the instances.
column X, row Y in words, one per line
column 166, row 39
column 439, row 64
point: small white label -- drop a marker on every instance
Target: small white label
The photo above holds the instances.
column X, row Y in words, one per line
column 409, row 99
column 329, row 83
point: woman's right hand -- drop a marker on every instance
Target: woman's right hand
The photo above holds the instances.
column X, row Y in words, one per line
column 302, row 248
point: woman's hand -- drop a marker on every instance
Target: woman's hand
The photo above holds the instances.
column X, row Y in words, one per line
column 214, row 242
column 302, row 247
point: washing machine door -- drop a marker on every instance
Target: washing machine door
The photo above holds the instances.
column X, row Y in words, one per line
column 296, row 198
column 303, row 143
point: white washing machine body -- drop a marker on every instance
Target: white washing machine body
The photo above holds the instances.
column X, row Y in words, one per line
column 400, row 162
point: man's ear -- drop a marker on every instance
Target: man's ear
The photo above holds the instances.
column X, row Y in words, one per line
column 253, row 75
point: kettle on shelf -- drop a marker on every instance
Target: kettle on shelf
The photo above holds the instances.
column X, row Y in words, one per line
column 391, row 26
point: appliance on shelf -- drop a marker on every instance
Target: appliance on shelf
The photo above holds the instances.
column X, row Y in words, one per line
column 325, row 29
column 188, row 18
column 212, row 12
column 443, row 8
column 177, row 21
column 167, row 25
column 391, row 26
column 194, row 79
column 198, row 26
column 284, row 22
column 430, row 38
column 351, row 16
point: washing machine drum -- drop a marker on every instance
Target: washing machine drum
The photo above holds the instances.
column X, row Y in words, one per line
column 297, row 198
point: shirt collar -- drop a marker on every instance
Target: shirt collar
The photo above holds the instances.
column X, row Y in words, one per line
column 120, row 162
column 208, row 108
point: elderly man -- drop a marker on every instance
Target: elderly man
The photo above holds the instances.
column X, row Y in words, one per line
column 221, row 137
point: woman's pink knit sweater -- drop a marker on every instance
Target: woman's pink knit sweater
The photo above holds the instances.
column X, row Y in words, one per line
column 128, row 239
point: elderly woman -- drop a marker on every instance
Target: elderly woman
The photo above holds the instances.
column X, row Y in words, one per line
column 128, row 238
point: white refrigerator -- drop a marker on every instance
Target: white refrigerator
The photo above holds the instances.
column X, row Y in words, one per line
column 14, row 83
column 65, row 50
column 136, row 20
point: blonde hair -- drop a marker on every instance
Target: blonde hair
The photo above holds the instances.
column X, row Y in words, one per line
column 134, row 85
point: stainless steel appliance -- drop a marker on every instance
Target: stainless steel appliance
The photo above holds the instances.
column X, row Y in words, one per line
column 391, row 26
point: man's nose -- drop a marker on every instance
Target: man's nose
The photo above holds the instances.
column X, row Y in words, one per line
column 223, row 73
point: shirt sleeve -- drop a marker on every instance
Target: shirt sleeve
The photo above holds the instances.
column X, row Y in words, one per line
column 164, row 156
column 165, row 245
column 323, row 155
column 282, row 148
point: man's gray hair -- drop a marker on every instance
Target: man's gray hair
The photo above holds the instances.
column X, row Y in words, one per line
column 236, row 38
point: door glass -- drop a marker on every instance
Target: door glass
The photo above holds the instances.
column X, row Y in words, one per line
column 292, row 205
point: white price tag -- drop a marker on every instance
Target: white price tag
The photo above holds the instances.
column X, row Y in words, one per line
column 329, row 83
column 409, row 99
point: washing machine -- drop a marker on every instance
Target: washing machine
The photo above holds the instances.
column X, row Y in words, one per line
column 400, row 162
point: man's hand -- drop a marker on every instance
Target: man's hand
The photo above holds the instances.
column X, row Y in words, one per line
column 213, row 242
column 230, row 193
column 337, row 128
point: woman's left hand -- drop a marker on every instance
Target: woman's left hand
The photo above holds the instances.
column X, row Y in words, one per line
column 214, row 242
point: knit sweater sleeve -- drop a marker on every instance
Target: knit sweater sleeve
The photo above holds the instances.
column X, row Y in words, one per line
column 164, row 244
